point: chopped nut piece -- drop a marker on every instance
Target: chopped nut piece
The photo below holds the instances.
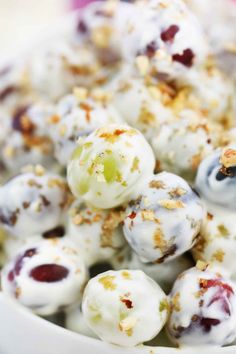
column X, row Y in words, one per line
column 157, row 184
column 108, row 282
column 201, row 265
column 228, row 158
column 171, row 204
column 127, row 325
column 175, row 303
column 142, row 63
column 80, row 92
column 218, row 256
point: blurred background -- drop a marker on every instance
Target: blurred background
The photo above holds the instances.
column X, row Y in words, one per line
column 21, row 20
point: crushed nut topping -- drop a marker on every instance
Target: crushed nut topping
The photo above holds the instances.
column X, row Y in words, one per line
column 171, row 204
column 127, row 325
column 108, row 282
column 228, row 158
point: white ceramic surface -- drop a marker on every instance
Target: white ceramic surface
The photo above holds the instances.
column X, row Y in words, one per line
column 21, row 332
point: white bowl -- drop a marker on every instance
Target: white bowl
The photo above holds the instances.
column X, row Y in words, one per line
column 21, row 332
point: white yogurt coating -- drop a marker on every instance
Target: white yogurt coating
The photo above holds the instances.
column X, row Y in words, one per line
column 33, row 202
column 180, row 145
column 203, row 308
column 75, row 322
column 215, row 181
column 78, row 115
column 217, row 239
column 139, row 104
column 28, row 140
column 213, row 94
column 115, row 307
column 47, row 277
column 163, row 222
column 97, row 233
column 57, row 67
column 109, row 167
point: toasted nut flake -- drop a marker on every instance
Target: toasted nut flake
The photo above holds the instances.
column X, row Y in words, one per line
column 195, row 161
column 145, row 116
column 135, row 165
column 18, row 292
column 149, row 215
column 218, row 256
column 108, row 282
column 54, row 119
column 228, row 158
column 177, row 192
column 77, row 219
column 39, row 170
column 154, row 92
column 175, row 303
column 101, row 36
column 101, row 96
column 202, row 265
column 125, row 274
column 164, row 306
column 157, row 184
column 9, row 152
column 80, row 92
column 171, row 204
column 224, row 232
column 127, row 325
column 159, row 240
column 142, row 63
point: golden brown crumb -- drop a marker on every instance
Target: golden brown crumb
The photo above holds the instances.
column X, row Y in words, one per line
column 171, row 204
column 228, row 158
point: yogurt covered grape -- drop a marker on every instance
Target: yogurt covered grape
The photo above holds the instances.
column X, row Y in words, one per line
column 203, row 305
column 97, row 233
column 114, row 307
column 164, row 221
column 47, row 277
column 110, row 166
column 33, row 202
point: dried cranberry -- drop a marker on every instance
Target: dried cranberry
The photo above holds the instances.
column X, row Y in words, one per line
column 19, row 262
column 209, row 283
column 169, row 34
column 128, row 303
column 132, row 215
column 49, row 273
column 186, row 58
column 56, row 232
column 11, row 276
column 207, row 323
column 82, row 27
column 151, row 49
